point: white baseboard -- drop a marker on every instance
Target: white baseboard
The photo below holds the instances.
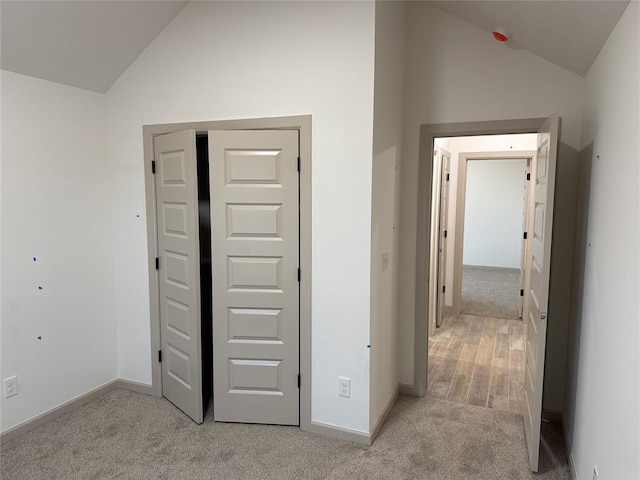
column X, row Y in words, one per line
column 567, row 445
column 73, row 404
column 377, row 426
column 341, row 433
column 488, row 267
column 552, row 415
column 406, row 389
column 320, row 428
column 136, row 386
column 55, row 412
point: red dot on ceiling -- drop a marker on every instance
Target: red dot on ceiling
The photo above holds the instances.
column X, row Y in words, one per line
column 501, row 37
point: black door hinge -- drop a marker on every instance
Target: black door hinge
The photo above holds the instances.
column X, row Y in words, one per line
column 160, row 356
column 153, row 166
column 447, row 177
column 524, row 235
column 299, row 274
column 298, row 380
column 528, row 176
column 444, row 289
column 445, row 234
column 522, row 293
column 157, row 263
column 298, row 163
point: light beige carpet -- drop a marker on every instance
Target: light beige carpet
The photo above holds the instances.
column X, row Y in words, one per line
column 127, row 435
column 488, row 292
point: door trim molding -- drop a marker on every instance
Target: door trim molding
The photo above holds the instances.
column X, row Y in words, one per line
column 423, row 244
column 461, row 194
column 302, row 124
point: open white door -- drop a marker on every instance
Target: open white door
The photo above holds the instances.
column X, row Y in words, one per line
column 539, row 257
column 179, row 270
column 255, row 218
column 524, row 241
column 443, row 234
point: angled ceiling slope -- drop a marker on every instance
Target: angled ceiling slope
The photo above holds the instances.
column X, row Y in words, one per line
column 85, row 44
column 567, row 33
column 89, row 44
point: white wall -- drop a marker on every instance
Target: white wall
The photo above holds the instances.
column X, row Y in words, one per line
column 458, row 73
column 220, row 60
column 385, row 204
column 60, row 341
column 603, row 399
column 494, row 204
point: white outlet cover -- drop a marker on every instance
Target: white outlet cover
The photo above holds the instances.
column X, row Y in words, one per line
column 344, row 387
column 10, row 386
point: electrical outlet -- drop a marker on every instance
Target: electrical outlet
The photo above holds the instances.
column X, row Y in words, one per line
column 10, row 386
column 344, row 387
column 595, row 473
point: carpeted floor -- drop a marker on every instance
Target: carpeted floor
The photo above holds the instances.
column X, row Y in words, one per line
column 127, row 435
column 490, row 292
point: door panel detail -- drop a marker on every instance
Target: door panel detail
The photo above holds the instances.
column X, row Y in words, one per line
column 257, row 221
column 177, row 317
column 173, row 169
column 538, row 294
column 255, row 375
column 255, row 325
column 174, row 217
column 254, row 187
column 179, row 270
column 252, row 273
column 252, row 167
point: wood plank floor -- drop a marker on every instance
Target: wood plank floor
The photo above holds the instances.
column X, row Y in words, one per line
column 479, row 361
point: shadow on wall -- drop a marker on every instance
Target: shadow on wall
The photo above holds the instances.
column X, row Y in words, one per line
column 560, row 281
column 577, row 291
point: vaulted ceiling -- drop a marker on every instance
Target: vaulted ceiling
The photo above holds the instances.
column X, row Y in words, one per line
column 89, row 44
column 85, row 44
column 567, row 33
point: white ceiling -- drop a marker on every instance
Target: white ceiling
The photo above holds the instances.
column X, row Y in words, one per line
column 89, row 44
column 567, row 33
column 85, row 44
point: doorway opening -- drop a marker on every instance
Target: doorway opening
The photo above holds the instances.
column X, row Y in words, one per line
column 479, row 238
column 538, row 255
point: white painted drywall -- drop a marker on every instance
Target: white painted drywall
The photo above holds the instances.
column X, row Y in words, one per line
column 458, row 73
column 385, row 204
column 60, row 341
column 603, row 382
column 494, row 203
column 484, row 143
column 225, row 60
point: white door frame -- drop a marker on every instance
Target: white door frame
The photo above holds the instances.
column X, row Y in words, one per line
column 423, row 232
column 458, row 247
column 303, row 125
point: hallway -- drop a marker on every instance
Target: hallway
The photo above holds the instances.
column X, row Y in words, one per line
column 478, row 361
